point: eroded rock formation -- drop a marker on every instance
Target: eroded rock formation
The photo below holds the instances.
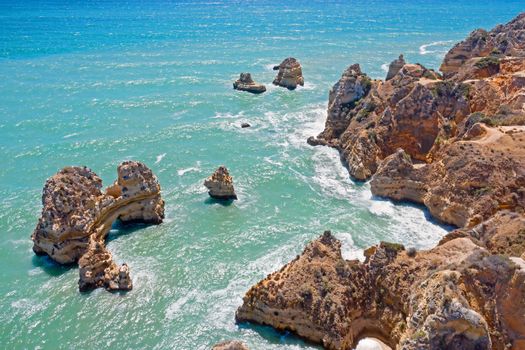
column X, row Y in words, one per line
column 290, row 74
column 503, row 40
column 220, row 185
column 246, row 83
column 394, row 67
column 454, row 296
column 455, row 144
column 77, row 216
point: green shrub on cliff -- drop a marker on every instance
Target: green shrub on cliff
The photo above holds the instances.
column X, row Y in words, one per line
column 487, row 62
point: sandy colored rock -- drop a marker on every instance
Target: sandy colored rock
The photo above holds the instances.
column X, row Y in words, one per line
column 503, row 40
column 394, row 67
column 220, row 185
column 77, row 216
column 230, row 345
column 450, row 297
column 290, row 74
column 474, row 178
column 246, row 83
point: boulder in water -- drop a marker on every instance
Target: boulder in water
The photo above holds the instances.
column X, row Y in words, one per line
column 290, row 74
column 220, row 185
column 246, row 83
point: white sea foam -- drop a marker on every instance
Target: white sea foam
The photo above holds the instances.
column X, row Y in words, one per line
column 183, row 171
column 348, row 249
column 70, row 135
column 385, row 67
column 439, row 47
column 228, row 115
column 160, row 157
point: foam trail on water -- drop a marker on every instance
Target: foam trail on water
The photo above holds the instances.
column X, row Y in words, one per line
column 160, row 157
column 442, row 47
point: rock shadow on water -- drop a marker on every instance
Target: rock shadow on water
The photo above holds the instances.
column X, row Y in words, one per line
column 223, row 202
column 274, row 336
column 119, row 229
column 51, row 267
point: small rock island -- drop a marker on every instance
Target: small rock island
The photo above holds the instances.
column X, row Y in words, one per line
column 246, row 83
column 289, row 75
column 77, row 216
column 220, row 185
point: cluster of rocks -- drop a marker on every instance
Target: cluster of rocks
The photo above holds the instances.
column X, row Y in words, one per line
column 77, row 216
column 454, row 143
column 289, row 75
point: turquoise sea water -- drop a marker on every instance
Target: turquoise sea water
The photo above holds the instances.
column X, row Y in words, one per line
column 97, row 82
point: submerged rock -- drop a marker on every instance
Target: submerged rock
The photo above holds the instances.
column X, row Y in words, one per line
column 290, row 74
column 230, row 345
column 246, row 83
column 395, row 67
column 245, row 125
column 77, row 217
column 220, row 185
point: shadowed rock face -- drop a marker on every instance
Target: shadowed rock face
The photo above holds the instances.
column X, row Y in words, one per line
column 77, row 216
column 453, row 296
column 290, row 74
column 246, row 83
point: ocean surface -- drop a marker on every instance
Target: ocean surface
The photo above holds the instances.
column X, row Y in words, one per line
column 98, row 82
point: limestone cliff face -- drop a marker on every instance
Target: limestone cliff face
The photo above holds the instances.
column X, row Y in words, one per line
column 503, row 40
column 454, row 296
column 454, row 144
column 77, row 216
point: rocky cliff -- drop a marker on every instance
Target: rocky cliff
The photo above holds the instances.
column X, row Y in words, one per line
column 454, row 143
column 77, row 216
column 455, row 296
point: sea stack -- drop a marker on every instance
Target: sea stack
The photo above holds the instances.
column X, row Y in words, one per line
column 395, row 66
column 77, row 216
column 246, row 83
column 290, row 74
column 220, row 185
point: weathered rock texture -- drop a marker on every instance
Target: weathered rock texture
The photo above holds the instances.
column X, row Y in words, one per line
column 504, row 40
column 290, row 74
column 455, row 296
column 77, row 217
column 220, row 184
column 246, row 83
column 457, row 146
column 230, row 345
column 394, row 67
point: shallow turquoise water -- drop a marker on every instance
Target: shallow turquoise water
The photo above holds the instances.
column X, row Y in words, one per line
column 95, row 83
